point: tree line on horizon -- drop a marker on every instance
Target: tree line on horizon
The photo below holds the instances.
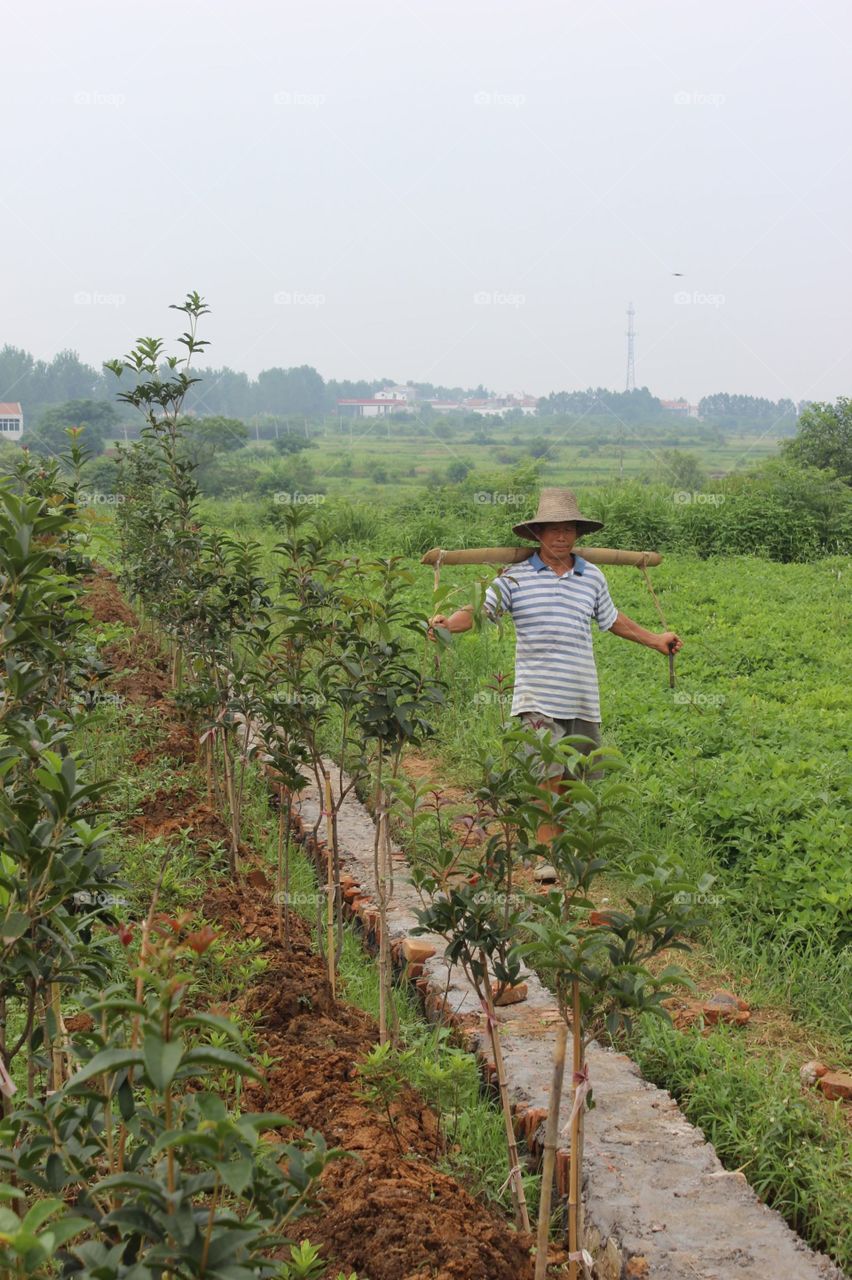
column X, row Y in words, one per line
column 302, row 391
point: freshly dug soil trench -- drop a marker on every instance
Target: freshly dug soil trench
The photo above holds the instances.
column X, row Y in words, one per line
column 388, row 1217
column 384, row 1215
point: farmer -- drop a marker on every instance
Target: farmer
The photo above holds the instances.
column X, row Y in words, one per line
column 552, row 598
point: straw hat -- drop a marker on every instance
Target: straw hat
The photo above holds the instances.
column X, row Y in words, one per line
column 553, row 505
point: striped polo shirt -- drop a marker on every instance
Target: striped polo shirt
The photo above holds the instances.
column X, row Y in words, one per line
column 555, row 671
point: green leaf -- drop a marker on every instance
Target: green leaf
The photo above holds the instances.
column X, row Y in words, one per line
column 40, row 1212
column 107, row 1061
column 162, row 1059
column 236, row 1174
column 55, row 1172
column 206, row 1055
column 65, row 1228
column 14, row 925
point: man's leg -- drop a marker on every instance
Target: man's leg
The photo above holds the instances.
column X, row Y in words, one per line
column 554, row 782
column 548, row 831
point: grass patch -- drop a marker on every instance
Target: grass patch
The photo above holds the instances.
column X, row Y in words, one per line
column 794, row 1149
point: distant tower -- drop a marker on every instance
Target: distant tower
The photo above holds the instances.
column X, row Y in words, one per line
column 631, row 335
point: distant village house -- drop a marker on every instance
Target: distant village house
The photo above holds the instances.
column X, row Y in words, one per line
column 680, row 407
column 11, row 420
column 406, row 400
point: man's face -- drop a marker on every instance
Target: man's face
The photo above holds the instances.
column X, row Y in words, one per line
column 557, row 538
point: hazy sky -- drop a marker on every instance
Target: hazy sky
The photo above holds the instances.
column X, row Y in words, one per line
column 453, row 192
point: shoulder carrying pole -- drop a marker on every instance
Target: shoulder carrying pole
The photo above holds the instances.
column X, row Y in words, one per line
column 514, row 555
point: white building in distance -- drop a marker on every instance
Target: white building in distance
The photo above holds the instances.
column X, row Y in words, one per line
column 682, row 408
column 11, row 420
column 388, row 400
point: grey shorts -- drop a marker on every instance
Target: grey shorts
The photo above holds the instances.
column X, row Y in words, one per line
column 563, row 729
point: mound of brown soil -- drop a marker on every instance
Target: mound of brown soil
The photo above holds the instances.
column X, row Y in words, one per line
column 386, row 1215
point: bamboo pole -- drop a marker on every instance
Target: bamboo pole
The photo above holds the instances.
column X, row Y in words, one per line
column 551, row 1134
column 515, row 555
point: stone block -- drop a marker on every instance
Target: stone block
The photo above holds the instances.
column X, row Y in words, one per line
column 836, row 1085
column 512, row 994
column 416, row 951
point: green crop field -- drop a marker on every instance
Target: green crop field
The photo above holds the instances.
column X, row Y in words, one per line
column 740, row 775
column 369, row 459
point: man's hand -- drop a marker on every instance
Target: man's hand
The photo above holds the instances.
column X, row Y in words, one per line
column 669, row 642
column 439, row 620
column 461, row 620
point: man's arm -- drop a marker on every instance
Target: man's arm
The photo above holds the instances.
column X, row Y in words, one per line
column 662, row 641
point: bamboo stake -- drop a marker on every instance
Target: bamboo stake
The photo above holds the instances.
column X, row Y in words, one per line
column 57, row 1047
column 279, row 868
column 384, row 941
column 574, row 1242
column 551, row 1134
column 329, row 882
column 208, row 769
column 232, row 805
column 287, row 824
column 435, row 584
column 515, row 1179
column 379, row 874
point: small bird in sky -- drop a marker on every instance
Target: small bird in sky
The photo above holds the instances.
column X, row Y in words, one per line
column 677, row 273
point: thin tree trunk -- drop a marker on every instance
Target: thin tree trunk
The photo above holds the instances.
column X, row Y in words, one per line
column 551, row 1134
column 515, row 1179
